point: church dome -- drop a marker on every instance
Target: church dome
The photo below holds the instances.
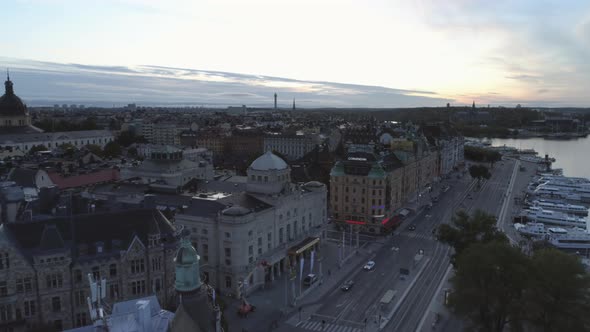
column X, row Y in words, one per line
column 267, row 162
column 11, row 104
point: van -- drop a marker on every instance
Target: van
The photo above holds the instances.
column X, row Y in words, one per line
column 310, row 279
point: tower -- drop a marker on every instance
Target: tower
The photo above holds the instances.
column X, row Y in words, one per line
column 473, row 106
column 188, row 277
column 197, row 309
column 293, row 103
column 275, row 100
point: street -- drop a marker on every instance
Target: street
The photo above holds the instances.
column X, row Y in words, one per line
column 359, row 308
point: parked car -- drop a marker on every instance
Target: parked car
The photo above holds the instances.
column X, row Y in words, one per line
column 347, row 285
column 310, row 279
column 369, row 266
column 412, row 228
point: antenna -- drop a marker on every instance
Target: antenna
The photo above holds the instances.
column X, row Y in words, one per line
column 95, row 302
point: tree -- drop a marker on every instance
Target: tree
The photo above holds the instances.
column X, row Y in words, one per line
column 479, row 172
column 489, row 284
column 132, row 152
column 112, row 149
column 127, row 138
column 558, row 297
column 37, row 148
column 466, row 230
column 96, row 149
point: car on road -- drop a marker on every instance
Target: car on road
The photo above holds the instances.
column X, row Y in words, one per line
column 469, row 196
column 310, row 279
column 395, row 248
column 412, row 228
column 369, row 266
column 347, row 285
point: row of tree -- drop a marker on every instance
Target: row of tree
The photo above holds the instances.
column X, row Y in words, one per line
column 482, row 155
column 496, row 286
column 50, row 125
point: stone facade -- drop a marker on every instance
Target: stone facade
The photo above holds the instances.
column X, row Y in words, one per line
column 244, row 238
column 44, row 269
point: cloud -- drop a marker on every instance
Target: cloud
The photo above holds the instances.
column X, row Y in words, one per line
column 46, row 83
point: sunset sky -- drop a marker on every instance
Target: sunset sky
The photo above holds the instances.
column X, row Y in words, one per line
column 495, row 52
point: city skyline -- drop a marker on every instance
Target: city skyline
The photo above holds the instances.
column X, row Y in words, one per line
column 500, row 53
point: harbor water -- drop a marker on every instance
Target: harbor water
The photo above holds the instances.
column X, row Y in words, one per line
column 573, row 156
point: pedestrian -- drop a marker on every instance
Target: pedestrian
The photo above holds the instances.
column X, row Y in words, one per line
column 329, row 272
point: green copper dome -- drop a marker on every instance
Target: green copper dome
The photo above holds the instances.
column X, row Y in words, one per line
column 187, row 268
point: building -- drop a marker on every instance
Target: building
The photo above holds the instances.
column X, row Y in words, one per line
column 167, row 166
column 367, row 190
column 13, row 111
column 165, row 134
column 248, row 238
column 359, row 191
column 44, row 265
column 291, row 147
column 25, row 141
column 16, row 132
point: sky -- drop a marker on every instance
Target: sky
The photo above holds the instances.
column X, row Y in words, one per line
column 378, row 53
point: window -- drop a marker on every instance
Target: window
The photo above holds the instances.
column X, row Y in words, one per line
column 30, row 309
column 114, row 291
column 54, row 280
column 250, row 233
column 137, row 287
column 56, row 304
column 250, row 250
column 96, row 273
column 205, row 253
column 78, row 275
column 204, row 231
column 5, row 312
column 4, row 261
column 158, row 285
column 227, row 282
column 137, row 266
column 79, row 297
column 157, row 263
column 80, row 319
column 280, row 235
column 3, row 288
column 227, row 235
column 260, row 242
column 113, row 270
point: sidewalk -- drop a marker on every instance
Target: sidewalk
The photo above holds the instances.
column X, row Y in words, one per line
column 271, row 302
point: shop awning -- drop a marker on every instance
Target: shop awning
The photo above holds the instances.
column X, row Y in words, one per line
column 303, row 245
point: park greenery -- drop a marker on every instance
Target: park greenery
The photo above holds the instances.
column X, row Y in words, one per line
column 498, row 287
column 52, row 125
column 482, row 155
column 479, row 172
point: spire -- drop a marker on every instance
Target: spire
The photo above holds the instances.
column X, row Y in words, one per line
column 473, row 106
column 8, row 84
column 293, row 103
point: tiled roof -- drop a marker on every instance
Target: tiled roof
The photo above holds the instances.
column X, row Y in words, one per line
column 89, row 229
column 81, row 180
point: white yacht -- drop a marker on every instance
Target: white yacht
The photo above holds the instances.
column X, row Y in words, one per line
column 570, row 239
column 539, row 215
column 561, row 238
column 561, row 207
column 532, row 229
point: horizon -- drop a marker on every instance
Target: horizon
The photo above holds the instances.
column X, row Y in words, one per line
column 500, row 53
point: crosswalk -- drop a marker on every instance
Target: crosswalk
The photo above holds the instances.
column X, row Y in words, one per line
column 328, row 327
column 418, row 235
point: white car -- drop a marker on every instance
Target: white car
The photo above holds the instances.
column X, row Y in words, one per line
column 369, row 266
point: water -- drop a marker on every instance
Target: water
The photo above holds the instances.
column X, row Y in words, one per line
column 571, row 155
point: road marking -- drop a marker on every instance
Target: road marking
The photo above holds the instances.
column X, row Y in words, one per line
column 442, row 282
